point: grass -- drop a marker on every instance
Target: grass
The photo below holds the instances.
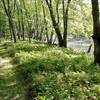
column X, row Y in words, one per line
column 47, row 72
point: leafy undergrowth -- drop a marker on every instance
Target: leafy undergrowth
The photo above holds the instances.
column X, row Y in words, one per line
column 47, row 72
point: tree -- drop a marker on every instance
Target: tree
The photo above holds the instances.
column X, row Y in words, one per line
column 96, row 30
column 3, row 22
column 80, row 20
column 8, row 10
column 62, row 39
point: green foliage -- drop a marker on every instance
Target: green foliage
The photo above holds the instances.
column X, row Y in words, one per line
column 53, row 73
column 80, row 19
column 56, row 72
column 24, row 12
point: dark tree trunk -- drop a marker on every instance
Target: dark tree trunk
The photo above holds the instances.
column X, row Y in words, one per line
column 64, row 24
column 88, row 51
column 22, row 25
column 96, row 30
column 65, row 21
column 62, row 40
column 45, row 23
column 10, row 20
column 17, row 31
column 41, row 34
column 36, row 16
column 12, row 27
column 19, row 21
column 55, row 24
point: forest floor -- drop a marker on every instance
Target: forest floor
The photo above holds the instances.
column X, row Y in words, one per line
column 46, row 72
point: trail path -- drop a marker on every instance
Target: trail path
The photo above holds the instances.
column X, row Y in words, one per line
column 8, row 84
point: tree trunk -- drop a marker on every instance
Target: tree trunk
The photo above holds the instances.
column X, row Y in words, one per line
column 65, row 21
column 96, row 30
column 62, row 40
column 8, row 13
column 55, row 24
column 12, row 28
column 19, row 21
column 22, row 25
column 36, row 20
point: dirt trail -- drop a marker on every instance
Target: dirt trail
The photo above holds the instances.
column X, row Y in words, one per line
column 8, row 86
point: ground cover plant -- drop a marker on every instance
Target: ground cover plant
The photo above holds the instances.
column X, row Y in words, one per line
column 49, row 50
column 48, row 72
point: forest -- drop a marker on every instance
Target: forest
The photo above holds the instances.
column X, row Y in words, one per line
column 49, row 49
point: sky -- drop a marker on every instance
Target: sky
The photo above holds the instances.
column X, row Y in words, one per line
column 89, row 1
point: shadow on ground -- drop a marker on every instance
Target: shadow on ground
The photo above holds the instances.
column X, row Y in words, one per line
column 9, row 88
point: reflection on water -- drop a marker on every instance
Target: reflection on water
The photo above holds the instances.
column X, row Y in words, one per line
column 80, row 43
